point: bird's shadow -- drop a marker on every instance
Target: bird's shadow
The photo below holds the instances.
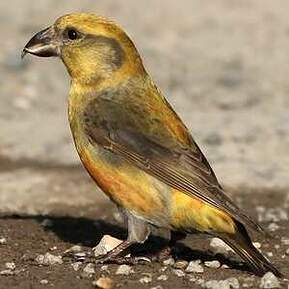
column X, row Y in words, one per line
column 88, row 232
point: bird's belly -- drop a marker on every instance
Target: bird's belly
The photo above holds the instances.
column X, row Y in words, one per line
column 148, row 198
column 189, row 214
column 126, row 185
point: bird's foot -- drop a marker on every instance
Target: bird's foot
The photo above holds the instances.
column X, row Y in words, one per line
column 164, row 254
column 116, row 256
column 128, row 260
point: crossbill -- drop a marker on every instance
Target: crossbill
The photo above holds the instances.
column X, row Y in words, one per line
column 134, row 145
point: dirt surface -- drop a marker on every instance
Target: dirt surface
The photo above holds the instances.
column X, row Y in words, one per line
column 223, row 65
column 27, row 237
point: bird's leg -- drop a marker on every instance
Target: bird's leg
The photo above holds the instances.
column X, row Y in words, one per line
column 138, row 232
column 166, row 252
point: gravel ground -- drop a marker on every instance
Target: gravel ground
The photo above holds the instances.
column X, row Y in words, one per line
column 224, row 67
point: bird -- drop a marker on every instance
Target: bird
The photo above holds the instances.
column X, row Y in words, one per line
column 135, row 146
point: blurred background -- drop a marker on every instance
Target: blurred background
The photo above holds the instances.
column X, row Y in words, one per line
column 223, row 65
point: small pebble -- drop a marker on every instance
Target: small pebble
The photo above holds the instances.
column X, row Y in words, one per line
column 269, row 280
column 169, row 262
column 285, row 241
column 219, row 246
column 273, row 215
column 270, row 254
column 74, row 249
column 181, row 264
column 104, row 268
column 162, row 277
column 273, row 227
column 146, row 279
column 10, row 265
column 193, row 279
column 76, row 266
column 103, row 282
column 157, row 287
column 43, row 282
column 7, row 272
column 287, row 252
column 212, row 264
column 163, row 269
column 80, row 256
column 257, row 245
column 88, row 270
column 48, row 259
column 106, row 244
column 124, row 270
column 230, row 283
column 3, row 241
column 143, row 259
column 179, row 272
column 200, row 282
column 195, row 267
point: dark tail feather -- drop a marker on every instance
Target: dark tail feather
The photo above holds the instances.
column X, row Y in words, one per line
column 242, row 245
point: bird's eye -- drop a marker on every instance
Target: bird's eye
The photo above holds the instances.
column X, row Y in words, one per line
column 72, row 34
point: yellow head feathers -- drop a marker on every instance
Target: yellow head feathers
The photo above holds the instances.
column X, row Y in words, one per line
column 92, row 48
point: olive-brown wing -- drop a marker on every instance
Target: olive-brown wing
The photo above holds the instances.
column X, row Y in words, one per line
column 183, row 169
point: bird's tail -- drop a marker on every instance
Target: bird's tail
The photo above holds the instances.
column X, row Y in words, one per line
column 241, row 243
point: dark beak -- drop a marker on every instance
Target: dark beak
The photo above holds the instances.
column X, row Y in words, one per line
column 43, row 44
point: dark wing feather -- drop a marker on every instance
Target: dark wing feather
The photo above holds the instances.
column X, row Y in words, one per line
column 184, row 169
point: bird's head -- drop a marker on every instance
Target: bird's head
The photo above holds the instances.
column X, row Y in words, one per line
column 92, row 48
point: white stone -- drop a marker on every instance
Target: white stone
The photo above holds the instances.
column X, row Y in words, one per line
column 10, row 265
column 219, row 246
column 3, row 241
column 146, row 279
column 89, row 270
column 124, row 270
column 162, row 277
column 48, row 259
column 43, row 282
column 157, row 287
column 212, row 264
column 106, row 244
column 104, row 268
column 257, row 245
column 195, row 267
column 76, row 266
column 169, row 262
column 74, row 249
column 143, row 259
column 193, row 279
column 7, row 272
column 285, row 241
column 80, row 256
column 269, row 280
column 231, row 283
column 273, row 227
column 179, row 272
